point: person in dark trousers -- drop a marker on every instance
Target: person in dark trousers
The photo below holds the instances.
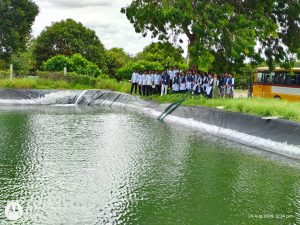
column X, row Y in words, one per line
column 134, row 82
column 165, row 80
column 157, row 82
column 140, row 83
column 176, row 83
column 144, row 84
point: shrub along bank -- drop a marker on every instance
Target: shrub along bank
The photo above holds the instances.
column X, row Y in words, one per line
column 57, row 80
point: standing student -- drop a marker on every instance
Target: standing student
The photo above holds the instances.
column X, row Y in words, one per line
column 230, row 86
column 176, row 83
column 165, row 80
column 182, row 83
column 144, row 84
column 209, row 87
column 157, row 82
column 134, row 82
column 149, row 83
column 205, row 82
column 197, row 87
column 224, row 85
column 140, row 82
column 189, row 80
column 216, row 87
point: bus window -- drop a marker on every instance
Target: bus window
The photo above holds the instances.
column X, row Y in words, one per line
column 266, row 77
column 293, row 79
column 258, row 77
column 297, row 78
column 272, row 77
column 281, row 77
column 288, row 79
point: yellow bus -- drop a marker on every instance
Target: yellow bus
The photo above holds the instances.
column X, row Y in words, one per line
column 280, row 84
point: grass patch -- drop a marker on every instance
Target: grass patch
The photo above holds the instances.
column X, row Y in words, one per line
column 41, row 83
column 255, row 106
column 113, row 85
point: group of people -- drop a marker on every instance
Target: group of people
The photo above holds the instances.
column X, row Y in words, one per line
column 155, row 82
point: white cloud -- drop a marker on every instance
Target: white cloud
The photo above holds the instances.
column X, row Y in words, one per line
column 103, row 16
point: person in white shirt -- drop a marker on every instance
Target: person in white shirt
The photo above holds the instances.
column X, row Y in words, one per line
column 149, row 83
column 209, row 87
column 157, row 82
column 182, row 82
column 134, row 82
column 144, row 83
column 140, row 82
column 230, row 86
column 176, row 83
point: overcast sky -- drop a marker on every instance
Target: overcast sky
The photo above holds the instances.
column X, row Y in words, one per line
column 103, row 16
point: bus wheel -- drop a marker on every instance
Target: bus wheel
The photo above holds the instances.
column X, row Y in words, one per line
column 277, row 97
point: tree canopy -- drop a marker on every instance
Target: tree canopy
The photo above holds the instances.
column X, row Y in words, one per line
column 164, row 53
column 222, row 34
column 69, row 37
column 116, row 58
column 17, row 17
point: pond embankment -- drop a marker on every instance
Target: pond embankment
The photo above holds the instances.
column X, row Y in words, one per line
column 274, row 135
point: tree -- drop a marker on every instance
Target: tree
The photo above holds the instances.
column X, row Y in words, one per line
column 17, row 17
column 116, row 58
column 222, row 34
column 126, row 71
column 162, row 52
column 76, row 63
column 69, row 37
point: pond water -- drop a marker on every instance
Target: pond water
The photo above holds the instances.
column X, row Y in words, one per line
column 71, row 165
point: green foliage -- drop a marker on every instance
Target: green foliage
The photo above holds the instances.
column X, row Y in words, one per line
column 156, row 56
column 116, row 58
column 70, row 77
column 56, row 63
column 224, row 33
column 164, row 53
column 113, row 85
column 76, row 64
column 4, row 74
column 24, row 63
column 126, row 71
column 56, row 80
column 68, row 37
column 17, row 18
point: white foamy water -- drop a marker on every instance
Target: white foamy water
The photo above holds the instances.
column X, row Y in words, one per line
column 54, row 98
column 80, row 97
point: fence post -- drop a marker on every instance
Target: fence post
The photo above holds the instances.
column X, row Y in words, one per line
column 11, row 75
column 65, row 71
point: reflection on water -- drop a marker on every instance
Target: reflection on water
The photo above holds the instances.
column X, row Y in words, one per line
column 83, row 166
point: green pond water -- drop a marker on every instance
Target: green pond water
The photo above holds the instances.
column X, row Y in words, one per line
column 68, row 165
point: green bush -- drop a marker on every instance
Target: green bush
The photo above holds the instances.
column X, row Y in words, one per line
column 76, row 64
column 56, row 63
column 4, row 74
column 125, row 72
column 113, row 85
column 70, row 77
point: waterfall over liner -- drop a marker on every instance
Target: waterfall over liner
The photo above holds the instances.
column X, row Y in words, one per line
column 80, row 97
column 279, row 136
